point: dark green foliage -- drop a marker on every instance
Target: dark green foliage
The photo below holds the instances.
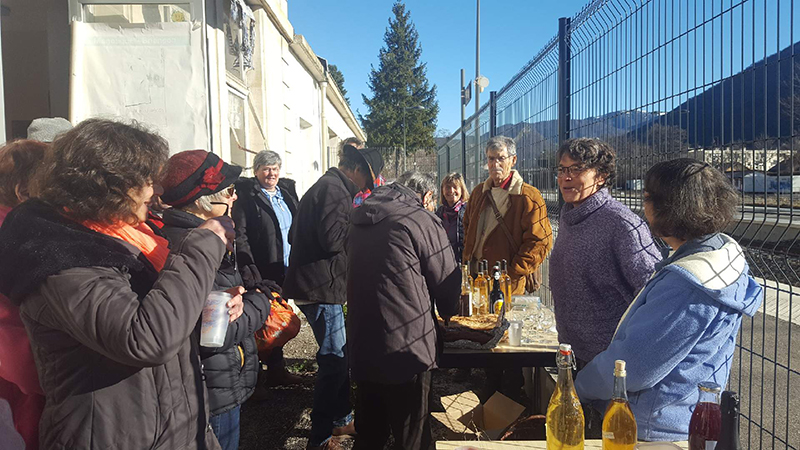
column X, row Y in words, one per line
column 399, row 82
column 338, row 77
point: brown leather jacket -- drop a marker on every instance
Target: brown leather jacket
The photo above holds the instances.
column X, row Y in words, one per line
column 527, row 220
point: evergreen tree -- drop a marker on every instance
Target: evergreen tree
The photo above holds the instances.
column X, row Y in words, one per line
column 338, row 77
column 399, row 82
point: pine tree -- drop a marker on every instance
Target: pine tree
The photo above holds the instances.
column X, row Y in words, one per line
column 338, row 77
column 399, row 82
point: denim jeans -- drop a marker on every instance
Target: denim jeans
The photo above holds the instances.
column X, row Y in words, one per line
column 332, row 389
column 226, row 428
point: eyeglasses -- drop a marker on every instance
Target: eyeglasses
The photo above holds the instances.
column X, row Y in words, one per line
column 573, row 170
column 233, row 253
column 497, row 159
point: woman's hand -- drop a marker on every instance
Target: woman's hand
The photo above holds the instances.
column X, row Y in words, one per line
column 223, row 227
column 235, row 305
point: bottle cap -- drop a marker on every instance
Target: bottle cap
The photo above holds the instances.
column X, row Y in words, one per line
column 619, row 368
column 565, row 349
column 709, row 386
column 730, row 402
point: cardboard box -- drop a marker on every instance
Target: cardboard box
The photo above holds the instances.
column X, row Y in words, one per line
column 467, row 419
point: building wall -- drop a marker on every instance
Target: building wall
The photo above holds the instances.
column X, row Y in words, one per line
column 285, row 92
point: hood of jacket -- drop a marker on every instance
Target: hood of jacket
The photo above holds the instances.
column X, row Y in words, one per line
column 385, row 201
column 699, row 261
column 36, row 241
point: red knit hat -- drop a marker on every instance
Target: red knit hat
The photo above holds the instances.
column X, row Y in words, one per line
column 193, row 174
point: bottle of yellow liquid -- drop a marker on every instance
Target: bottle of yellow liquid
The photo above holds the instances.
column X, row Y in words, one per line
column 505, row 284
column 564, row 420
column 480, row 293
column 619, row 425
column 487, row 288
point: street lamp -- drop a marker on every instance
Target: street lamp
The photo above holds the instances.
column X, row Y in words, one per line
column 405, row 155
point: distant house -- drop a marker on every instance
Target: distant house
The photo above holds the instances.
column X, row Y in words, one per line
column 736, row 172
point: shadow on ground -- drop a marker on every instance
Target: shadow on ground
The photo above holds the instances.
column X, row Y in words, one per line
column 282, row 420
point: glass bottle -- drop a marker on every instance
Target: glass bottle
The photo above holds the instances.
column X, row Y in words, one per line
column 465, row 305
column 564, row 420
column 505, row 283
column 729, row 433
column 481, row 299
column 496, row 297
column 704, row 427
column 487, row 287
column 619, row 425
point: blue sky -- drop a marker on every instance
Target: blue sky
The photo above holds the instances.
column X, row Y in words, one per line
column 349, row 33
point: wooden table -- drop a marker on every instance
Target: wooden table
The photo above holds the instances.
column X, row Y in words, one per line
column 590, row 444
column 539, row 354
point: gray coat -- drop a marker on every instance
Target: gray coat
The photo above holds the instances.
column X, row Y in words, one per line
column 115, row 343
column 399, row 262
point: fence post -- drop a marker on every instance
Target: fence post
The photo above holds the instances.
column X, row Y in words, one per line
column 492, row 114
column 463, row 135
column 564, row 57
column 564, row 87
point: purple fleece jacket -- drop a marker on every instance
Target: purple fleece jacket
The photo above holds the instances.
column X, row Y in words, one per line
column 603, row 255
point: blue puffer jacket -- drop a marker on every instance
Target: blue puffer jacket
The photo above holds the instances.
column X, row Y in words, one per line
column 679, row 331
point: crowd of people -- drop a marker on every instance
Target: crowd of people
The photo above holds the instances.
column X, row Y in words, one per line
column 111, row 247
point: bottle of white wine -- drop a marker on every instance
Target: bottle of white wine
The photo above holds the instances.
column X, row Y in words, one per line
column 564, row 420
column 619, row 425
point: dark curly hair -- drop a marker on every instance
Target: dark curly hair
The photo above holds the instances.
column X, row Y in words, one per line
column 592, row 153
column 689, row 199
column 18, row 162
column 92, row 168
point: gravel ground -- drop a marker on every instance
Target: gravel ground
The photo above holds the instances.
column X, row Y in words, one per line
column 282, row 421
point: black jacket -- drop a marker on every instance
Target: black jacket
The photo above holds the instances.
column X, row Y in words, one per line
column 398, row 263
column 258, row 233
column 317, row 265
column 115, row 342
column 458, row 244
column 230, row 379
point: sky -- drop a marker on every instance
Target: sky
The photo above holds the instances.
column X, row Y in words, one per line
column 349, row 33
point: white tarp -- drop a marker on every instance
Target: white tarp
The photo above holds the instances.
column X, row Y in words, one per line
column 759, row 183
column 152, row 73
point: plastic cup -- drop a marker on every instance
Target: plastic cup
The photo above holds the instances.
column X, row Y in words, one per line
column 215, row 319
column 515, row 333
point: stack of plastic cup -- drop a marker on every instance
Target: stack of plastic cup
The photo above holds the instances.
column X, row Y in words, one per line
column 215, row 319
column 515, row 333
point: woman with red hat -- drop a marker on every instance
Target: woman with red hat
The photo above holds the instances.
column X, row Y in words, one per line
column 200, row 186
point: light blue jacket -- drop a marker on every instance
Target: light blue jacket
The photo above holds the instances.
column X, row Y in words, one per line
column 679, row 331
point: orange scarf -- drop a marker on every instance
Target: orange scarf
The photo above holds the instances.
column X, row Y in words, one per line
column 155, row 248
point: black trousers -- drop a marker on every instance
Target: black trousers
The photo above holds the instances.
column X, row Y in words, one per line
column 401, row 410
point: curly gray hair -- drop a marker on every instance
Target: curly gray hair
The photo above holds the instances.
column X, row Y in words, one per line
column 419, row 182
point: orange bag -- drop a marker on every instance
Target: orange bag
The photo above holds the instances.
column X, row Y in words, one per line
column 281, row 326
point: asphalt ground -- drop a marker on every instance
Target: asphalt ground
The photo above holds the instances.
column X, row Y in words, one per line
column 766, row 374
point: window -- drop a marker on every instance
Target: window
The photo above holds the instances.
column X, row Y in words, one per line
column 137, row 13
column 237, row 122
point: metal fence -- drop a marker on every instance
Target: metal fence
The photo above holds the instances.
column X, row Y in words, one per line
column 716, row 80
